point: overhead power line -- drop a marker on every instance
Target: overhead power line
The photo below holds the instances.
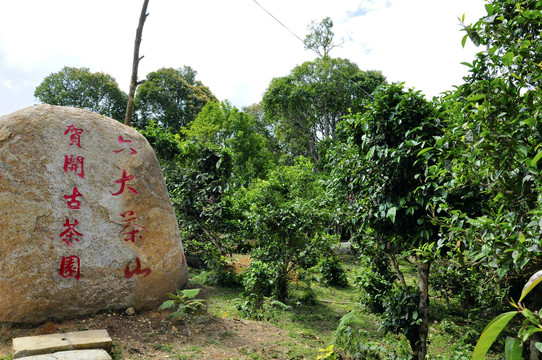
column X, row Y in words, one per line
column 294, row 34
column 277, row 20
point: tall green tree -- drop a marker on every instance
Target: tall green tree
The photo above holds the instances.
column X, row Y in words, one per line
column 283, row 216
column 223, row 125
column 493, row 138
column 307, row 105
column 492, row 145
column 381, row 175
column 172, row 98
column 320, row 37
column 79, row 87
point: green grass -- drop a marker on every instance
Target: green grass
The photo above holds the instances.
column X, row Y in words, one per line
column 311, row 325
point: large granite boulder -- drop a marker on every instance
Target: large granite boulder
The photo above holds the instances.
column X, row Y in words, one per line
column 86, row 222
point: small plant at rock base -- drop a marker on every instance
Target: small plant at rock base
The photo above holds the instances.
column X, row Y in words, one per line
column 185, row 302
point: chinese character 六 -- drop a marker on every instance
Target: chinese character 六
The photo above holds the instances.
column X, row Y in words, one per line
column 121, row 141
column 76, row 166
column 122, row 181
column 68, row 236
column 70, row 267
column 73, row 203
column 75, row 136
column 137, row 270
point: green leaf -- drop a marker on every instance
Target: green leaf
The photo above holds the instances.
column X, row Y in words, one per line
column 464, row 40
column 522, row 149
column 176, row 314
column 423, row 151
column 391, row 214
column 533, row 281
column 191, row 293
column 490, row 333
column 536, row 158
column 166, row 305
column 538, row 345
column 513, row 349
column 508, row 59
column 529, row 316
column 526, row 332
column 476, row 97
column 473, row 35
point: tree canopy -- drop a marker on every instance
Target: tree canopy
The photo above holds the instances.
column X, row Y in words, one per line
column 79, row 87
column 171, row 97
column 307, row 105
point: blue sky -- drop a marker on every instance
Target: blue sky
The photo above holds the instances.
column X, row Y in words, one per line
column 235, row 46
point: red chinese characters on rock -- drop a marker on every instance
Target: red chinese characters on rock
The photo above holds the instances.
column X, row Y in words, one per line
column 70, row 267
column 122, row 181
column 74, row 165
column 137, row 270
column 122, row 141
column 131, row 229
column 75, row 135
column 73, row 203
column 69, row 235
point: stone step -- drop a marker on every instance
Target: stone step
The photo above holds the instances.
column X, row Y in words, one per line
column 93, row 354
column 47, row 344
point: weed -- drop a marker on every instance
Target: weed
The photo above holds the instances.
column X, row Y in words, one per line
column 185, row 302
column 163, row 347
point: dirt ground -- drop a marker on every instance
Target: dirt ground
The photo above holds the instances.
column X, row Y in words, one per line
column 150, row 335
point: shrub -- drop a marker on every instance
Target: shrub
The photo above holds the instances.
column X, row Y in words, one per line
column 332, row 272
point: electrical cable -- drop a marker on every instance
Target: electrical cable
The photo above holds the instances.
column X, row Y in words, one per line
column 277, row 20
column 294, row 34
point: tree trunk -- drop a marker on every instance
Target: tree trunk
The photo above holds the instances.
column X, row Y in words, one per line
column 133, row 82
column 396, row 269
column 423, row 284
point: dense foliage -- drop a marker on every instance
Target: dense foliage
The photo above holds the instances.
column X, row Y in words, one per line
column 307, row 105
column 171, row 97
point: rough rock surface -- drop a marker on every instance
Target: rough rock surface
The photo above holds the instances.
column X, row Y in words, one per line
column 86, row 222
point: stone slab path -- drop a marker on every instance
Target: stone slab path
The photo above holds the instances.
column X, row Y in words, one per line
column 83, row 345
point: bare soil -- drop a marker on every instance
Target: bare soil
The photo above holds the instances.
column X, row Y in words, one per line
column 151, row 335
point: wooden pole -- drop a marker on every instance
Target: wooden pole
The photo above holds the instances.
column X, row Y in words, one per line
column 134, row 83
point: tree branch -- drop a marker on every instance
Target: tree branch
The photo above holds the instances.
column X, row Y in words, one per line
column 134, row 83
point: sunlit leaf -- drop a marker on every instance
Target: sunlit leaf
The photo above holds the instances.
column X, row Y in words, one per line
column 536, row 158
column 423, row 151
column 490, row 333
column 391, row 214
column 476, row 97
column 533, row 281
column 167, row 304
column 190, row 293
column 508, row 59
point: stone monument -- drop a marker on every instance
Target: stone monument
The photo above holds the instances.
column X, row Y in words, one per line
column 86, row 222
